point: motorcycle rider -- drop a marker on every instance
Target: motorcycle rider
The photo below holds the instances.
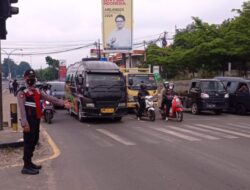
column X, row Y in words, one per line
column 141, row 99
column 167, row 95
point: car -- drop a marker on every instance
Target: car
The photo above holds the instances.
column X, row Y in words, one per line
column 57, row 89
column 239, row 94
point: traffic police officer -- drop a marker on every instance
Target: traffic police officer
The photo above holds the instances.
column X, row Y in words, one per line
column 30, row 109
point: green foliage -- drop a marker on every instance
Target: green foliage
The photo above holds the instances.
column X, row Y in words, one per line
column 207, row 47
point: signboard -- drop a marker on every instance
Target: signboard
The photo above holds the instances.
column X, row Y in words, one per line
column 95, row 52
column 117, row 25
column 156, row 71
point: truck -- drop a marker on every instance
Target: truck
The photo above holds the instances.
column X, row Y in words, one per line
column 96, row 90
column 205, row 94
column 134, row 77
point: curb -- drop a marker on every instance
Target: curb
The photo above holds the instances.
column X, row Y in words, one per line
column 12, row 145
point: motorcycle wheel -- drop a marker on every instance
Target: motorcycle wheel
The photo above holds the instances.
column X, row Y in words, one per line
column 179, row 116
column 152, row 115
column 48, row 117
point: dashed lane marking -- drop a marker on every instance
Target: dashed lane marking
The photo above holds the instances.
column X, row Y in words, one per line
column 189, row 138
column 116, row 137
column 194, row 133
column 224, row 130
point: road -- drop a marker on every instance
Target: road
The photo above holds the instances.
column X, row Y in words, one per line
column 205, row 152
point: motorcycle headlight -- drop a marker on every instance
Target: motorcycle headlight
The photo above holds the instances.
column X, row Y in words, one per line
column 226, row 96
column 47, row 102
column 204, row 96
column 121, row 105
column 90, row 105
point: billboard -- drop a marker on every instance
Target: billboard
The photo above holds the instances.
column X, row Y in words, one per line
column 117, row 25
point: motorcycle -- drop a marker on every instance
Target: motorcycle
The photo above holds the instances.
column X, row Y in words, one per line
column 149, row 111
column 175, row 112
column 47, row 111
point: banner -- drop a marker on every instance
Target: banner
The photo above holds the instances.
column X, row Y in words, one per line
column 117, row 25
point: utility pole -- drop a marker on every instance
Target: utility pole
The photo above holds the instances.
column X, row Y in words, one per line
column 1, row 92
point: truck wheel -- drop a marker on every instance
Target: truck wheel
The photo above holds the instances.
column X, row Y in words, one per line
column 240, row 109
column 117, row 119
column 194, row 109
column 217, row 112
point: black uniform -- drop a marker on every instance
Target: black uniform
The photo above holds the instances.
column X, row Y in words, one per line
column 141, row 95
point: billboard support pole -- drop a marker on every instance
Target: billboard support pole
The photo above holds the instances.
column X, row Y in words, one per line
column 124, row 60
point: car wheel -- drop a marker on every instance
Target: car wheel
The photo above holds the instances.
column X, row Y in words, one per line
column 194, row 109
column 217, row 112
column 240, row 109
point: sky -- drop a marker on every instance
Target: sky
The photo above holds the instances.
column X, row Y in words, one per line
column 60, row 24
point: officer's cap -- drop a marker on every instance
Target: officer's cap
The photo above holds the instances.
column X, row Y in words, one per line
column 29, row 73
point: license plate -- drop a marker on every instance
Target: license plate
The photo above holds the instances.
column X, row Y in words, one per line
column 107, row 110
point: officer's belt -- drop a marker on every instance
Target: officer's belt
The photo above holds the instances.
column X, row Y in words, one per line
column 30, row 104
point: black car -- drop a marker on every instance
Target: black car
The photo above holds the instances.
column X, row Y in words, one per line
column 206, row 94
column 239, row 94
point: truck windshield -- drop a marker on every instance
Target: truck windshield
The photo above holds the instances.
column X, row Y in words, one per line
column 137, row 79
column 103, row 79
column 208, row 86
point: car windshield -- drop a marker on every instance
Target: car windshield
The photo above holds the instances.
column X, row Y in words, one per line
column 103, row 79
column 212, row 86
column 147, row 79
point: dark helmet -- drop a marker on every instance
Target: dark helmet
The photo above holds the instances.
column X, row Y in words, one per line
column 143, row 86
column 30, row 73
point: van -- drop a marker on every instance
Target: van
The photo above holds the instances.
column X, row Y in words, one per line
column 96, row 89
column 239, row 94
column 205, row 94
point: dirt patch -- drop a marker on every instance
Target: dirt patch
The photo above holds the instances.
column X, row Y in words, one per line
column 13, row 156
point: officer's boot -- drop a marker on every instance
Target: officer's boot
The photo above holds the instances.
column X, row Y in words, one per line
column 34, row 166
column 27, row 169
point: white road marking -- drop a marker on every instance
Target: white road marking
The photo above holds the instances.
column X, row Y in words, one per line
column 213, row 132
column 189, row 138
column 224, row 130
column 194, row 133
column 239, row 126
column 115, row 137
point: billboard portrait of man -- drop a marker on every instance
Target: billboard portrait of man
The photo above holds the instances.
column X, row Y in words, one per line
column 117, row 25
column 121, row 36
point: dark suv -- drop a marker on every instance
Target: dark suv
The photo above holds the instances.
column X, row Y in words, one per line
column 239, row 94
column 206, row 94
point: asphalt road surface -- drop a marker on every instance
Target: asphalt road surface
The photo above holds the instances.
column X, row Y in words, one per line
column 204, row 152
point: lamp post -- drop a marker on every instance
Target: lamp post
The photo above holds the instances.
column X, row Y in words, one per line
column 9, row 54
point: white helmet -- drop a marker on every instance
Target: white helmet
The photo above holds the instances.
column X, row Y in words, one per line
column 166, row 84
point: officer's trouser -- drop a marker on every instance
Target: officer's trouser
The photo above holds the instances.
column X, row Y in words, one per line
column 30, row 140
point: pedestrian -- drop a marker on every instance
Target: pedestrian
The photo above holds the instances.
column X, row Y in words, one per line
column 30, row 110
column 11, row 86
column 15, row 87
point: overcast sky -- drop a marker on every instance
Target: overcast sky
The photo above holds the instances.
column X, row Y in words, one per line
column 61, row 23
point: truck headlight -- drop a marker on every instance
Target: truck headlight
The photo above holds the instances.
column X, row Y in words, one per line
column 226, row 96
column 121, row 105
column 90, row 105
column 204, row 96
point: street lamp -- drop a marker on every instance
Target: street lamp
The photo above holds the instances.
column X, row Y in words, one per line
column 9, row 54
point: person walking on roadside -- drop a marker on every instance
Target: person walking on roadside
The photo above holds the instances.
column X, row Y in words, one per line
column 11, row 86
column 30, row 110
column 15, row 87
